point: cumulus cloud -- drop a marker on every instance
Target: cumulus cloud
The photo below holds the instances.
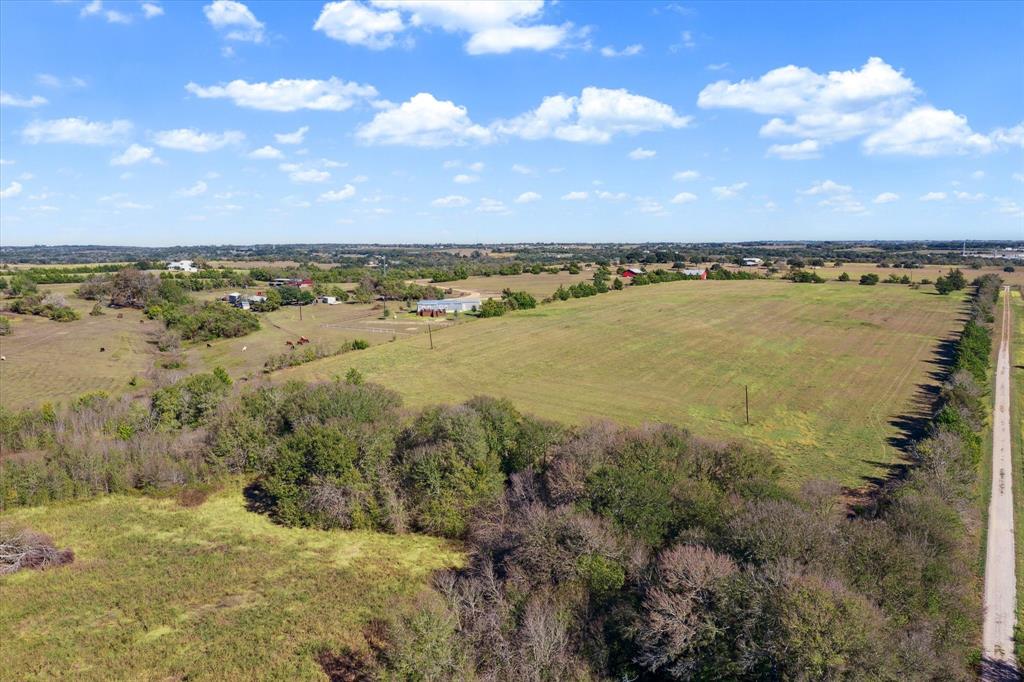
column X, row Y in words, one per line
column 967, row 196
column 875, row 102
column 528, row 198
column 933, row 196
column 612, row 196
column 346, row 192
column 686, row 175
column 521, row 169
column 628, row 51
column 807, row 149
column 423, row 121
column 450, row 201
column 826, row 187
column 195, row 190
column 266, row 152
column 576, row 196
column 493, row 27
column 76, row 131
column 356, row 24
column 886, row 198
column 234, row 20
column 191, row 140
column 927, row 131
column 308, row 175
column 9, row 100
column 12, row 190
column 729, row 191
column 151, row 10
column 135, row 153
column 684, row 198
column 292, row 138
column 286, row 94
column 596, row 115
column 465, row 179
column 639, row 154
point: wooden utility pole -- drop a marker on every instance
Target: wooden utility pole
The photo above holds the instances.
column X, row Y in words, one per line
column 746, row 399
column 300, row 311
column 430, row 333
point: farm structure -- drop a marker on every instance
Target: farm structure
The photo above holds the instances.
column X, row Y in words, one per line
column 182, row 266
column 696, row 272
column 629, row 273
column 301, row 283
column 328, row 300
column 436, row 307
column 752, row 262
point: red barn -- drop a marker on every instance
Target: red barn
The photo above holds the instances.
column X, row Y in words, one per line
column 629, row 273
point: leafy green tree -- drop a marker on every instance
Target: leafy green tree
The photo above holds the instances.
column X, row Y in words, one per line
column 870, row 279
column 845, row 277
column 22, row 285
column 492, row 308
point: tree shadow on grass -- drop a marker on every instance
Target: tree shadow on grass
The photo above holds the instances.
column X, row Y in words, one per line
column 999, row 671
column 257, row 499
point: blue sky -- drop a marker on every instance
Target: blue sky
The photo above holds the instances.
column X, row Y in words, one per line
column 157, row 123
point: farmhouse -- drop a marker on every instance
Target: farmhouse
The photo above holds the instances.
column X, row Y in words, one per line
column 629, row 273
column 432, row 307
column 182, row 266
column 752, row 262
column 329, row 300
column 696, row 272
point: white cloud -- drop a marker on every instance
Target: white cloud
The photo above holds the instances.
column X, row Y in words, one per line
column 346, row 192
column 310, row 175
column 596, row 115
column 9, row 100
column 488, row 205
column 528, row 198
column 1019, row 177
column 354, row 23
column 91, row 8
column 135, row 153
column 522, row 170
column 450, row 201
column 933, row 196
column 1009, row 207
column 235, row 19
column 115, row 17
column 648, row 205
column 423, row 121
column 628, row 51
column 686, row 175
column 191, row 140
column 476, row 166
column 576, row 196
column 967, row 196
column 292, row 138
column 842, row 203
column 1011, row 137
column 729, row 191
column 687, row 40
column 504, row 39
column 152, row 10
column 12, row 190
column 464, row 179
column 195, row 190
column 360, row 178
column 51, row 81
column 285, row 94
column 493, row 27
column 978, row 174
column 826, row 187
column 612, row 196
column 718, row 67
column 886, row 198
column 639, row 154
column 807, row 149
column 6, row 162
column 927, row 131
column 684, row 198
column 266, row 152
column 76, row 131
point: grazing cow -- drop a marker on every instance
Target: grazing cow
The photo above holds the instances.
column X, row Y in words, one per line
column 3, row 358
column 120, row 315
column 102, row 349
column 209, row 345
column 244, row 348
column 289, row 343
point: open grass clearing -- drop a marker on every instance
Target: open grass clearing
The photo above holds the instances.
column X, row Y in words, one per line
column 832, row 368
column 159, row 591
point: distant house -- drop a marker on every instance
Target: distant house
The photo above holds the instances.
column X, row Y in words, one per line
column 258, row 298
column 302, row 283
column 752, row 262
column 182, row 266
column 234, row 297
column 329, row 300
column 433, row 307
column 696, row 272
column 629, row 273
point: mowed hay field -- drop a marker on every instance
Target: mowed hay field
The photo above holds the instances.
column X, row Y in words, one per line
column 829, row 366
column 162, row 592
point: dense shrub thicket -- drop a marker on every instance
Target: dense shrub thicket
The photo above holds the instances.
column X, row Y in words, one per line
column 211, row 320
column 601, row 552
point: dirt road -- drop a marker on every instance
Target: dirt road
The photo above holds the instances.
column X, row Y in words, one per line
column 1000, row 580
